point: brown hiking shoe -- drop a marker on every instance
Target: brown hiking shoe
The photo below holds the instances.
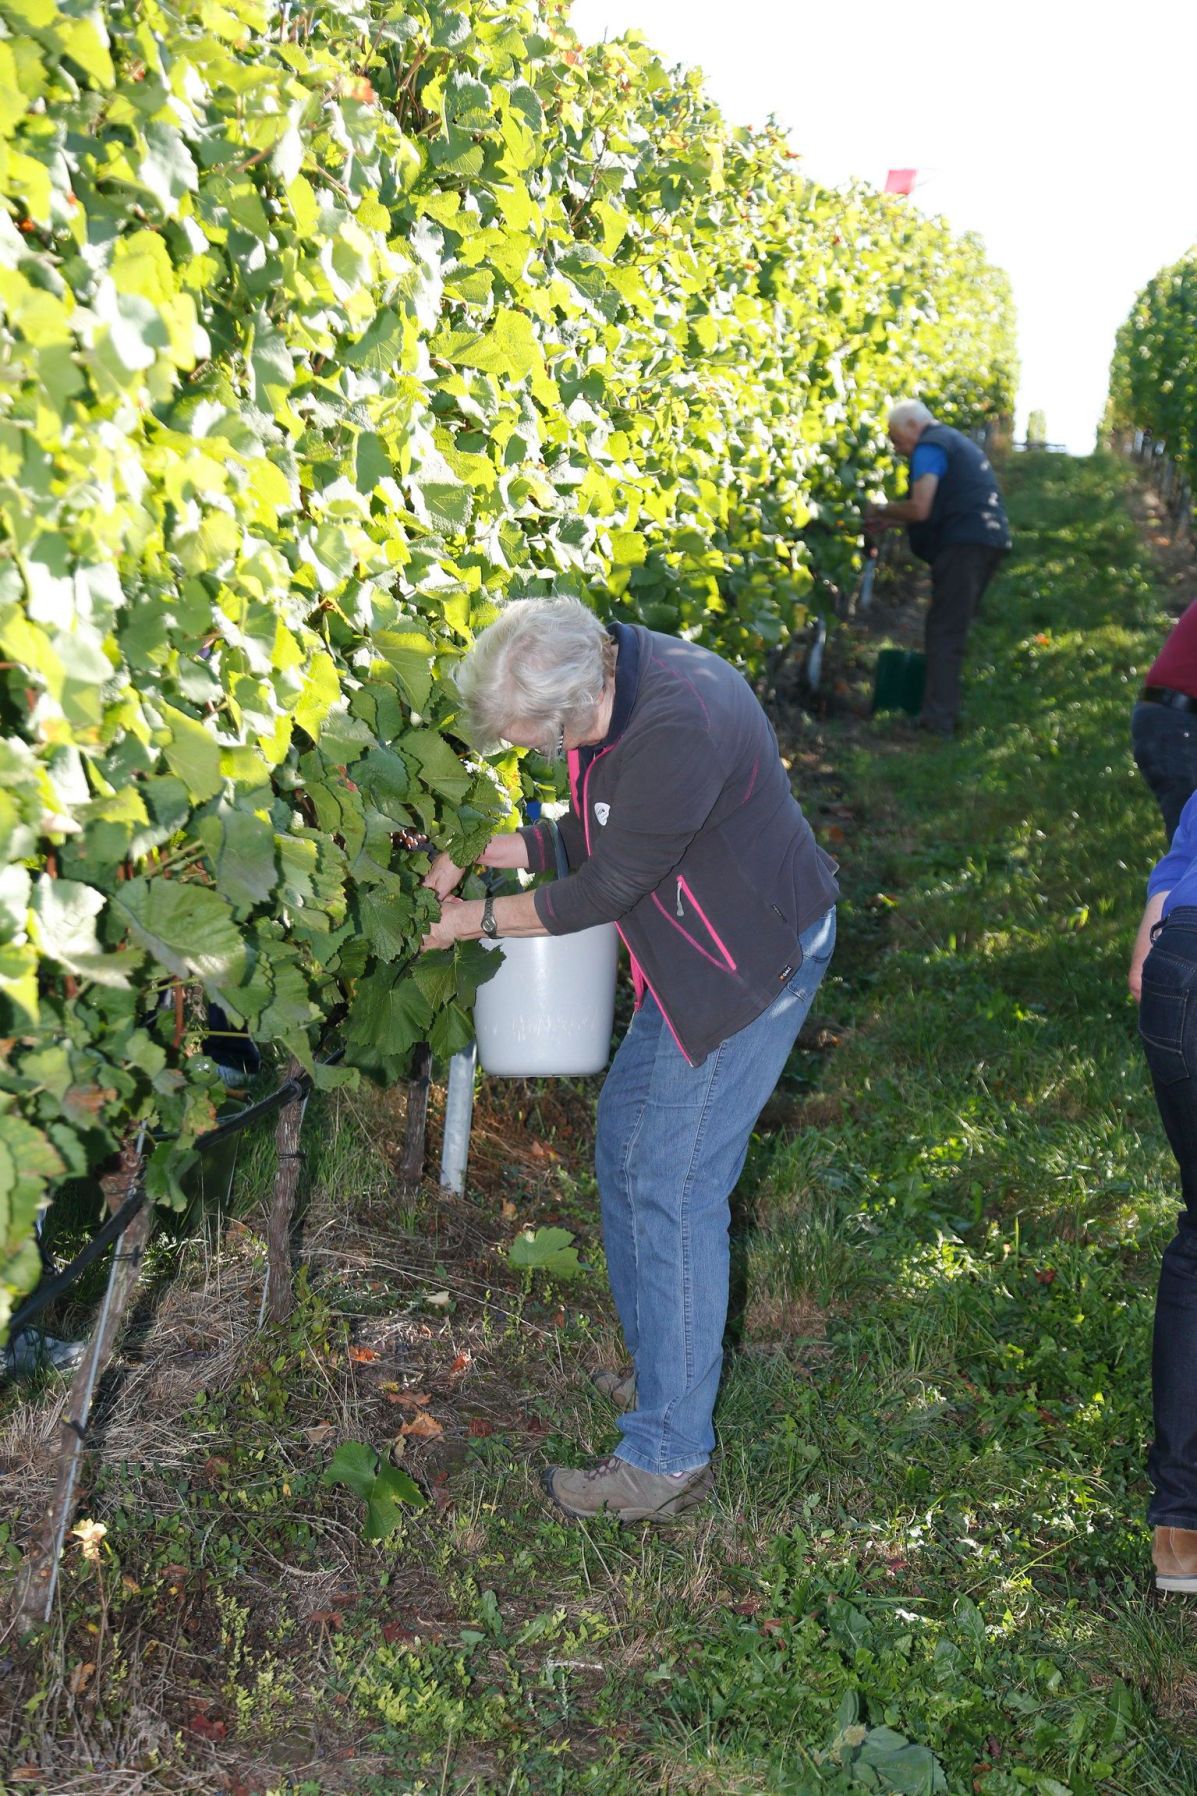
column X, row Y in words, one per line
column 1175, row 1553
column 625, row 1491
column 620, row 1387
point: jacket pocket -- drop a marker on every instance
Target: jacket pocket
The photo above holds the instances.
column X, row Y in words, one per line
column 691, row 922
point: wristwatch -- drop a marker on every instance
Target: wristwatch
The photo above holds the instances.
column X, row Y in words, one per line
column 490, row 928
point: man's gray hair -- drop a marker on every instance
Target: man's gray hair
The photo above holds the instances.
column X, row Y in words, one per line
column 541, row 663
column 911, row 411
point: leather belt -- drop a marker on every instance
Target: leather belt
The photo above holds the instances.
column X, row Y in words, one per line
column 1167, row 695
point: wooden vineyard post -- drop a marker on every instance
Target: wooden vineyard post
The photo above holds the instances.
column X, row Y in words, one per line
column 39, row 1577
column 415, row 1126
column 278, row 1297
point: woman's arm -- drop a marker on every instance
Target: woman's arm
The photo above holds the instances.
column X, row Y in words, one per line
column 461, row 919
column 507, row 850
column 1151, row 916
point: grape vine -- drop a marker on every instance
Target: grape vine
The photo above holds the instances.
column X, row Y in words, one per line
column 323, row 330
column 1153, row 377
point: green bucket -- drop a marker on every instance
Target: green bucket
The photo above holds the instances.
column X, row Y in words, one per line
column 899, row 681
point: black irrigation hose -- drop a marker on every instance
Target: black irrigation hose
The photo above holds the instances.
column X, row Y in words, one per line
column 115, row 1225
column 50, row 1288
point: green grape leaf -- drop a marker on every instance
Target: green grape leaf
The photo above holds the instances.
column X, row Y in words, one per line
column 188, row 928
column 64, row 927
column 192, row 754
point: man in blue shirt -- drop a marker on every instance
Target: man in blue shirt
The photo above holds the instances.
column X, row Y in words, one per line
column 956, row 522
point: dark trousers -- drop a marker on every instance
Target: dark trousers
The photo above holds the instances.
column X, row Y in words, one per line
column 1165, row 747
column 959, row 575
column 1168, row 1027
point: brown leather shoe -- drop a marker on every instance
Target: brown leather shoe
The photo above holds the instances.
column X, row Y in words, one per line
column 1175, row 1553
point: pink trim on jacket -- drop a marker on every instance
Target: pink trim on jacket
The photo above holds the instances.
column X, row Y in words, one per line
column 674, row 924
column 640, row 981
column 711, row 930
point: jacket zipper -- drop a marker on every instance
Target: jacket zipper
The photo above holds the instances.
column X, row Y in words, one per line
column 582, row 791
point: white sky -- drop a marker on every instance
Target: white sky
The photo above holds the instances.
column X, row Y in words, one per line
column 1065, row 133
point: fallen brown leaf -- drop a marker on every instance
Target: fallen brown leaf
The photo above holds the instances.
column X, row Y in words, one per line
column 480, row 1427
column 322, row 1431
column 422, row 1427
column 81, row 1676
column 208, row 1728
column 363, row 1356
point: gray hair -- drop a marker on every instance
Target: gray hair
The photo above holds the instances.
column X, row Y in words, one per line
column 911, row 411
column 542, row 662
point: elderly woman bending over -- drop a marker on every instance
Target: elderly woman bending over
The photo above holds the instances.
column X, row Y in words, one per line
column 683, row 831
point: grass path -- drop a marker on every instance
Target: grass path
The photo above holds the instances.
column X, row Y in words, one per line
column 982, row 1219
column 926, row 1569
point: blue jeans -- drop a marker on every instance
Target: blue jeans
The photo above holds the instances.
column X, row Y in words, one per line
column 1165, row 746
column 1168, row 1027
column 672, row 1140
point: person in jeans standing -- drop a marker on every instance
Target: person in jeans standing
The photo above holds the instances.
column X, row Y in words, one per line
column 683, row 831
column 1163, row 978
column 1164, row 722
column 956, row 522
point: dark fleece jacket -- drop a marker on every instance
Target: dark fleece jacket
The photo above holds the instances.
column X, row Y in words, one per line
column 683, row 831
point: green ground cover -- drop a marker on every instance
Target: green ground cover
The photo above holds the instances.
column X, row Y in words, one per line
column 926, row 1569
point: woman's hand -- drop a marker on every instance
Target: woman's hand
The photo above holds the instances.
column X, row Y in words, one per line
column 443, row 877
column 508, row 850
column 444, row 932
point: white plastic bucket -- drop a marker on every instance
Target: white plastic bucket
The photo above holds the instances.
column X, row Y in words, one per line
column 549, row 1009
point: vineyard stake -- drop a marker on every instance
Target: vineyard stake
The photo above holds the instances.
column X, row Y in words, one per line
column 415, row 1122
column 39, row 1578
column 277, row 1294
